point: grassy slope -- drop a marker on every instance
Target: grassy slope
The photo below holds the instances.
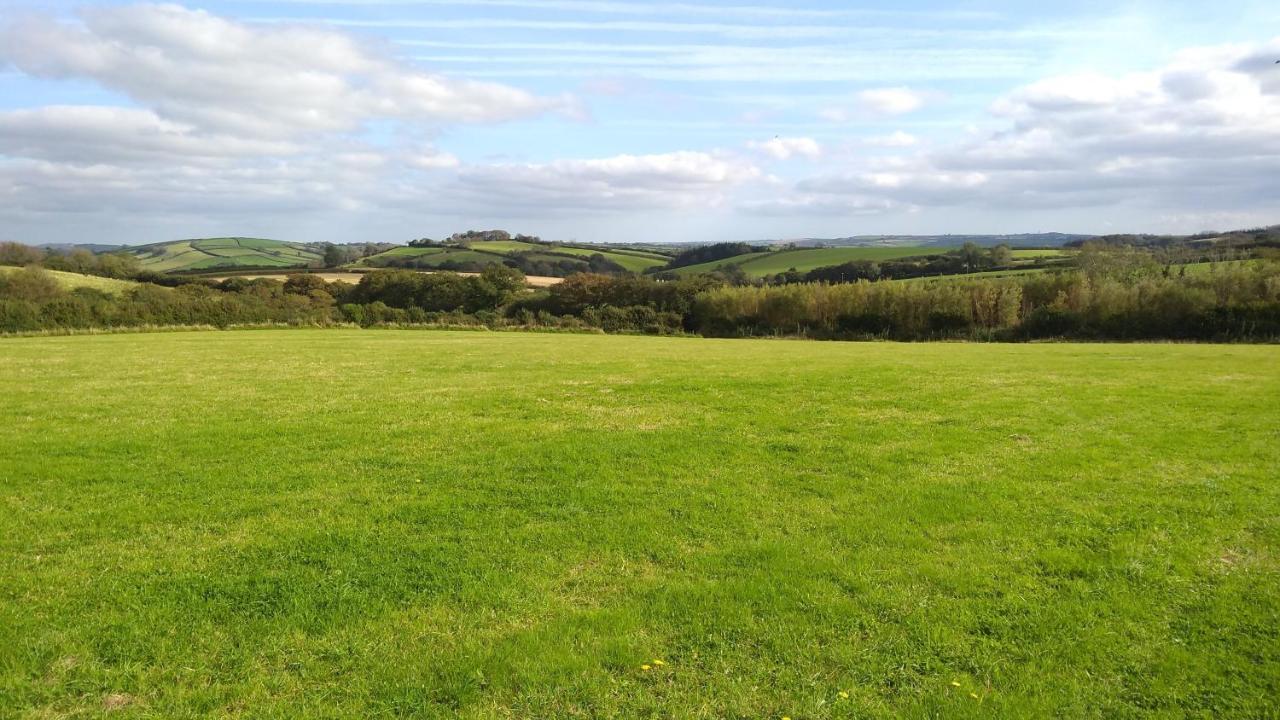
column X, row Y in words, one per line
column 805, row 259
column 71, row 281
column 212, row 253
column 492, row 250
column 487, row 525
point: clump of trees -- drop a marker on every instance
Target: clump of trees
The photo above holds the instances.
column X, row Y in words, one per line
column 338, row 255
column 120, row 265
column 711, row 253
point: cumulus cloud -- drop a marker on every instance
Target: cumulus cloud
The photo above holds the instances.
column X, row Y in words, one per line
column 785, row 148
column 227, row 117
column 1204, row 131
column 622, row 182
column 193, row 67
column 120, row 135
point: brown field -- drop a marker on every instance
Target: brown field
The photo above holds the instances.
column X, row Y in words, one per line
column 354, row 277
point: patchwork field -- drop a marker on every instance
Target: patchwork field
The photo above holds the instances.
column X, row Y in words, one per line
column 495, row 251
column 502, row 525
column 215, row 253
column 805, row 259
column 354, row 277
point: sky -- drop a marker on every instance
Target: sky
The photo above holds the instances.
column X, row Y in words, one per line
column 631, row 121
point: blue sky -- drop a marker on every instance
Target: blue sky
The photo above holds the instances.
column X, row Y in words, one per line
column 620, row 120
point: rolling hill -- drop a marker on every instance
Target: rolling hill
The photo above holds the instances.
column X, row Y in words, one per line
column 231, row 252
column 73, row 281
column 536, row 258
column 803, row 259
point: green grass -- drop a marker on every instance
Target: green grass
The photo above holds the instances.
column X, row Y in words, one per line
column 631, row 260
column 805, row 259
column 980, row 274
column 506, row 246
column 495, row 525
column 71, row 281
column 1205, row 268
column 1038, row 253
column 212, row 253
column 491, row 251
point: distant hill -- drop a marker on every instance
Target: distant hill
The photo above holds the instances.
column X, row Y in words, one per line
column 772, row 262
column 939, row 241
column 91, row 247
column 530, row 255
column 220, row 253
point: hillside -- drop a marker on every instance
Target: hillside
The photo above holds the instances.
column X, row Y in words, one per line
column 232, row 252
column 532, row 257
column 760, row 264
column 74, row 281
column 1052, row 239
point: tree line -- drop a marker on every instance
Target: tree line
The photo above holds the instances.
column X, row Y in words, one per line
column 1115, row 294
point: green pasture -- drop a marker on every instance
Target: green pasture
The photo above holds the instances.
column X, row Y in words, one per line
column 805, row 259
column 212, row 253
column 72, row 281
column 390, row 524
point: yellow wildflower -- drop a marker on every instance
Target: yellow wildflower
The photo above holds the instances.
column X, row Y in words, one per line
column 844, row 695
column 955, row 683
column 658, row 662
column 644, row 667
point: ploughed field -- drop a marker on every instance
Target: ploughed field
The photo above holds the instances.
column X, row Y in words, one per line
column 489, row 525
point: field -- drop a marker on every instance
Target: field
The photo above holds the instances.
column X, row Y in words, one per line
column 354, row 277
column 805, row 259
column 493, row 251
column 71, row 281
column 216, row 253
column 332, row 523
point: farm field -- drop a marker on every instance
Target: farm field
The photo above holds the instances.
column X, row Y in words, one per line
column 354, row 277
column 214, row 253
column 493, row 251
column 379, row 523
column 805, row 259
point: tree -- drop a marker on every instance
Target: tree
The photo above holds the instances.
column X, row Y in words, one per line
column 1001, row 256
column 302, row 284
column 334, row 255
column 971, row 256
column 12, row 253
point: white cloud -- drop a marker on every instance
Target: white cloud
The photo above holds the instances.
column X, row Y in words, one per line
column 785, row 148
column 429, row 158
column 898, row 139
column 1202, row 133
column 892, row 101
column 622, row 182
column 192, row 67
column 889, row 101
column 96, row 134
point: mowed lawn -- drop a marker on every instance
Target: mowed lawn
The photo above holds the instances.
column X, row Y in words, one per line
column 294, row 524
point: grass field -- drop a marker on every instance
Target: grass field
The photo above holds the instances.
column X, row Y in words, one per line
column 502, row 525
column 1038, row 253
column 805, row 259
column 212, row 253
column 71, row 281
column 493, row 251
